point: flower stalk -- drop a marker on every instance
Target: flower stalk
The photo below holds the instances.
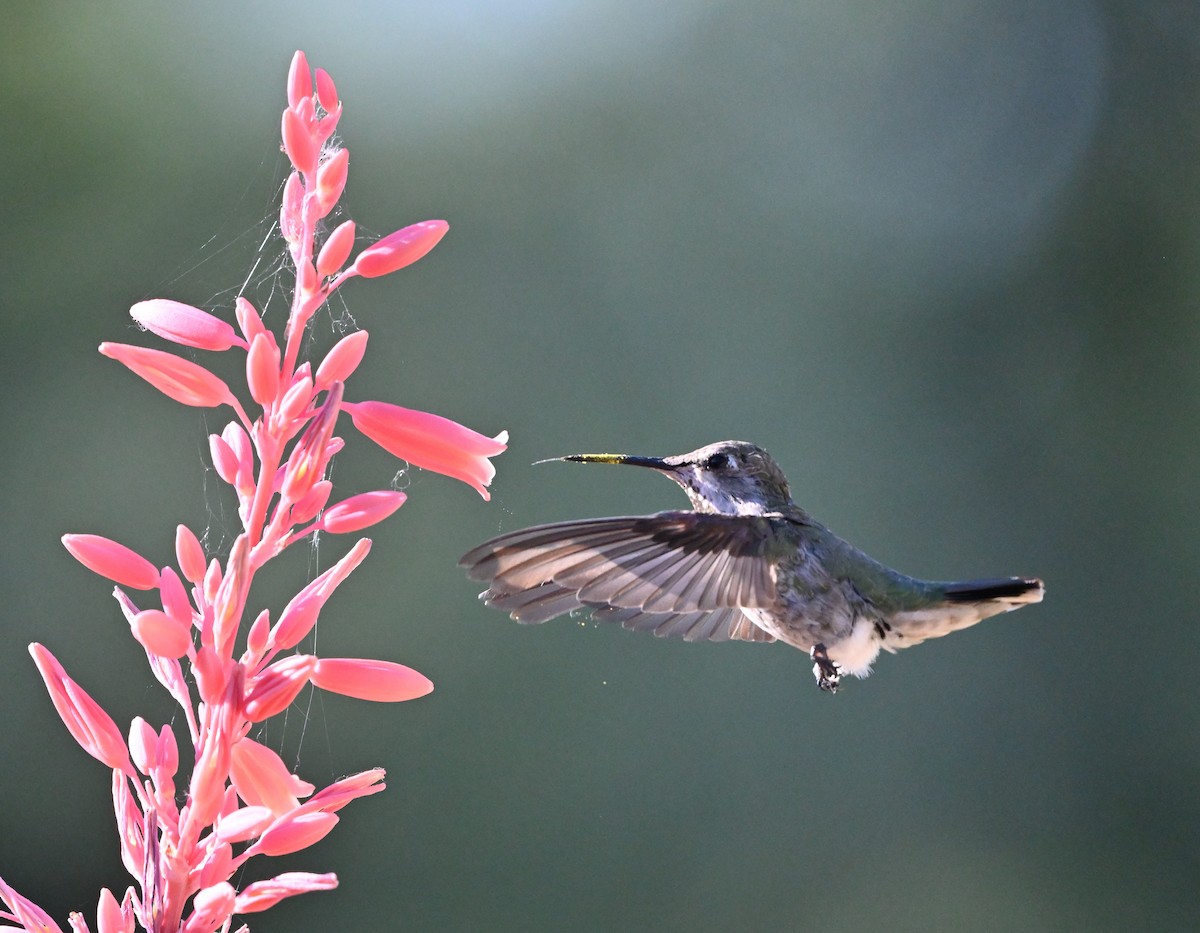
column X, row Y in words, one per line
column 240, row 800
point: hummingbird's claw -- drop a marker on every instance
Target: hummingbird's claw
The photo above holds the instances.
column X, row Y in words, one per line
column 825, row 669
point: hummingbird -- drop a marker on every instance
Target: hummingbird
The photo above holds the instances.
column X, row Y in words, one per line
column 745, row 563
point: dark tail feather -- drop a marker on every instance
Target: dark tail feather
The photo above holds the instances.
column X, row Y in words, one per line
column 1008, row 589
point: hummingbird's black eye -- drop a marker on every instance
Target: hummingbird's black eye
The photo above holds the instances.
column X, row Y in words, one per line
column 718, row 462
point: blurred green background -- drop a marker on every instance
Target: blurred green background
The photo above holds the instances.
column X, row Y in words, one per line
column 940, row 258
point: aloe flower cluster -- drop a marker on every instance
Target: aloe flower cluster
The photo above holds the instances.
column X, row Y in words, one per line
column 185, row 838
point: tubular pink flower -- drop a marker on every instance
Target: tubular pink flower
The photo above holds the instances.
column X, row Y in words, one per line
column 341, row 361
column 249, row 320
column 399, row 249
column 25, row 912
column 340, row 793
column 295, row 831
column 244, row 823
column 260, row 895
column 369, row 679
column 430, row 441
column 184, row 324
column 160, row 634
column 262, row 779
column 90, row 726
column 173, row 376
column 273, row 690
column 361, row 511
column 336, row 250
column 174, row 597
column 291, row 211
column 114, row 561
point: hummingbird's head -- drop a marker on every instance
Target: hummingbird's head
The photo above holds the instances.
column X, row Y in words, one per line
column 729, row 477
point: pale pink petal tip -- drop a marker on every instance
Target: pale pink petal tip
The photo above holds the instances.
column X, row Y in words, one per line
column 112, row 560
column 400, row 249
column 299, row 83
column 369, row 679
column 184, row 324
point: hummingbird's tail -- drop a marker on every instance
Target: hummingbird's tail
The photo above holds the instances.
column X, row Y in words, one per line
column 961, row 605
column 1013, row 591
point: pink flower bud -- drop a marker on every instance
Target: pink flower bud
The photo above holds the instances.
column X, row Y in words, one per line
column 361, row 511
column 327, row 94
column 341, row 361
column 297, row 620
column 400, row 249
column 177, row 378
column 314, row 500
column 175, row 321
column 258, row 638
column 217, row 865
column 262, row 369
column 291, row 210
column 114, row 561
column 211, row 673
column 299, row 80
column 336, row 250
column 331, row 180
column 159, row 634
column 168, row 751
column 429, row 441
column 212, row 908
column 225, row 461
column 249, row 320
column 174, row 597
column 368, row 679
column 110, row 918
column 189, row 554
column 295, row 832
column 297, row 399
column 298, row 143
column 143, row 745
column 260, row 895
column 90, row 726
column 273, row 691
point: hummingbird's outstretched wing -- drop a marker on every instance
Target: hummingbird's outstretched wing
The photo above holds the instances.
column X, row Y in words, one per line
column 683, row 574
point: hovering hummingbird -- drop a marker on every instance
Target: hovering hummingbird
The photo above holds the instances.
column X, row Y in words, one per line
column 747, row 564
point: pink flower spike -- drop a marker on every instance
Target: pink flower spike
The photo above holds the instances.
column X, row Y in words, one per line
column 273, row 690
column 114, row 561
column 399, row 249
column 159, row 634
column 336, row 250
column 295, row 832
column 368, row 679
column 341, row 361
column 175, row 377
column 90, row 726
column 327, row 94
column 180, row 323
column 260, row 895
column 331, row 180
column 430, row 441
column 361, row 511
column 299, row 80
column 262, row 369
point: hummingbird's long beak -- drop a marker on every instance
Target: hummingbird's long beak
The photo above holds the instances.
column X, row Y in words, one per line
column 653, row 463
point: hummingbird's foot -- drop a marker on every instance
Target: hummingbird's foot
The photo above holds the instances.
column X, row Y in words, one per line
column 825, row 669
